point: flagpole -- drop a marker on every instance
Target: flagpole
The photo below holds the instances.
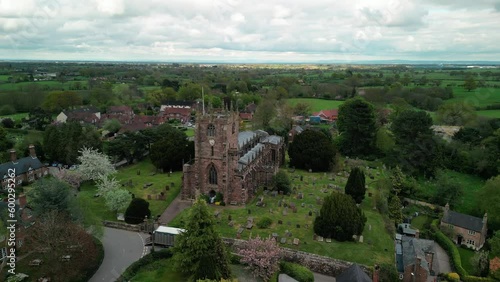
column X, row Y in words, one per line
column 203, row 100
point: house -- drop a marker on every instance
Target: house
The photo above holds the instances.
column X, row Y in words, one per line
column 327, row 115
column 415, row 260
column 246, row 116
column 90, row 115
column 405, row 229
column 353, row 274
column 124, row 114
column 466, row 229
column 446, row 131
column 180, row 111
column 26, row 169
column 296, row 130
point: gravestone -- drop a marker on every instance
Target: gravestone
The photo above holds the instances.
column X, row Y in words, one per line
column 274, row 193
column 275, row 236
column 296, row 241
column 285, row 212
column 231, row 223
column 238, row 235
column 240, row 230
column 320, row 239
column 310, row 213
column 300, row 196
column 279, row 203
column 294, row 209
column 167, row 188
column 283, row 240
column 303, row 204
column 361, row 238
column 328, row 240
column 229, row 218
column 149, row 197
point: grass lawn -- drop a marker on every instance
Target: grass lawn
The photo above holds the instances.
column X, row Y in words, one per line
column 465, row 257
column 489, row 113
column 19, row 135
column 15, row 117
column 189, row 132
column 377, row 246
column 317, row 104
column 480, row 97
column 124, row 175
column 160, row 270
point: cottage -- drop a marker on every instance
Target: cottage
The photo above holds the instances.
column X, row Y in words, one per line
column 27, row 169
column 466, row 229
column 89, row 115
column 327, row 115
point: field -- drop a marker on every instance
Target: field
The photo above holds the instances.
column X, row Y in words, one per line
column 377, row 245
column 19, row 135
column 15, row 117
column 489, row 113
column 317, row 104
column 147, row 175
column 480, row 97
column 44, row 85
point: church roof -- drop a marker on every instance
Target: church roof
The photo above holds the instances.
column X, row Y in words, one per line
column 353, row 274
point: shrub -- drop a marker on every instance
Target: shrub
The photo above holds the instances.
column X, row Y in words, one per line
column 137, row 211
column 297, row 271
column 453, row 277
column 264, row 222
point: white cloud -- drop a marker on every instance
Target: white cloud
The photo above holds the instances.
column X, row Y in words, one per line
column 249, row 30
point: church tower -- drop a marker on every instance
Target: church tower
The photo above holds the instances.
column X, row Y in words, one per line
column 216, row 153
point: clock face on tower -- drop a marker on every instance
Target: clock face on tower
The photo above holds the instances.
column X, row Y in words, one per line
column 211, row 141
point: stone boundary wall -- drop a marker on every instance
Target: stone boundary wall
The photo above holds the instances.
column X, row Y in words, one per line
column 420, row 203
column 316, row 263
column 122, row 225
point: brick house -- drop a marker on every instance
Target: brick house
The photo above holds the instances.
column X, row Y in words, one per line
column 228, row 161
column 415, row 259
column 27, row 169
column 466, row 229
column 88, row 115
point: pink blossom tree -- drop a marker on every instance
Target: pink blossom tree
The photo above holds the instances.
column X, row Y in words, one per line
column 261, row 256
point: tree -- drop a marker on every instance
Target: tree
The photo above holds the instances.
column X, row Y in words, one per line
column 470, row 83
column 261, row 255
column 57, row 236
column 157, row 97
column 137, row 211
column 494, row 243
column 94, row 164
column 50, row 194
column 394, row 208
column 264, row 114
column 302, row 109
column 449, row 190
column 106, row 184
column 312, row 149
column 357, row 127
column 117, row 199
column 5, row 145
column 112, row 125
column 355, row 186
column 489, row 197
column 56, row 101
column 339, row 218
column 410, row 124
column 73, row 178
column 398, row 180
column 199, row 251
column 480, row 263
column 128, row 146
column 281, row 182
column 169, row 152
column 456, row 113
column 190, row 92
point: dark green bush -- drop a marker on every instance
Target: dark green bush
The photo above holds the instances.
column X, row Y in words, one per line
column 469, row 278
column 264, row 222
column 297, row 271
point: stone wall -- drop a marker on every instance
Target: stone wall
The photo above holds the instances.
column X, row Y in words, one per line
column 122, row 225
column 316, row 263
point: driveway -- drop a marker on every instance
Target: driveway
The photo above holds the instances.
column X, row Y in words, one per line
column 442, row 261
column 121, row 249
column 173, row 209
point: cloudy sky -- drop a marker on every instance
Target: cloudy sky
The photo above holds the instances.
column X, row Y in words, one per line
column 250, row 30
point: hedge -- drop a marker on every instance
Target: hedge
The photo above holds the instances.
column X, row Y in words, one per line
column 132, row 270
column 449, row 247
column 469, row 278
column 297, row 271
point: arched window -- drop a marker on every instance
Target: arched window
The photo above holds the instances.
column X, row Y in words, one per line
column 212, row 175
column 234, row 128
column 212, row 148
column 211, row 130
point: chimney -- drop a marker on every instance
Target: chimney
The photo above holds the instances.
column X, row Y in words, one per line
column 13, row 156
column 376, row 274
column 32, row 151
column 446, row 210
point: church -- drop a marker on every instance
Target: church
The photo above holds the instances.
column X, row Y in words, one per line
column 228, row 161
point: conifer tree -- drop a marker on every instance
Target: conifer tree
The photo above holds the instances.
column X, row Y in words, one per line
column 355, row 186
column 394, row 207
column 199, row 251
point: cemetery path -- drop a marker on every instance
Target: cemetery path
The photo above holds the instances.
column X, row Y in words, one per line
column 173, row 210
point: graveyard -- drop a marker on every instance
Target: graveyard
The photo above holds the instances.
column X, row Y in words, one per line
column 292, row 217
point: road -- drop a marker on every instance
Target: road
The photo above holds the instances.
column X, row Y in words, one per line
column 121, row 249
